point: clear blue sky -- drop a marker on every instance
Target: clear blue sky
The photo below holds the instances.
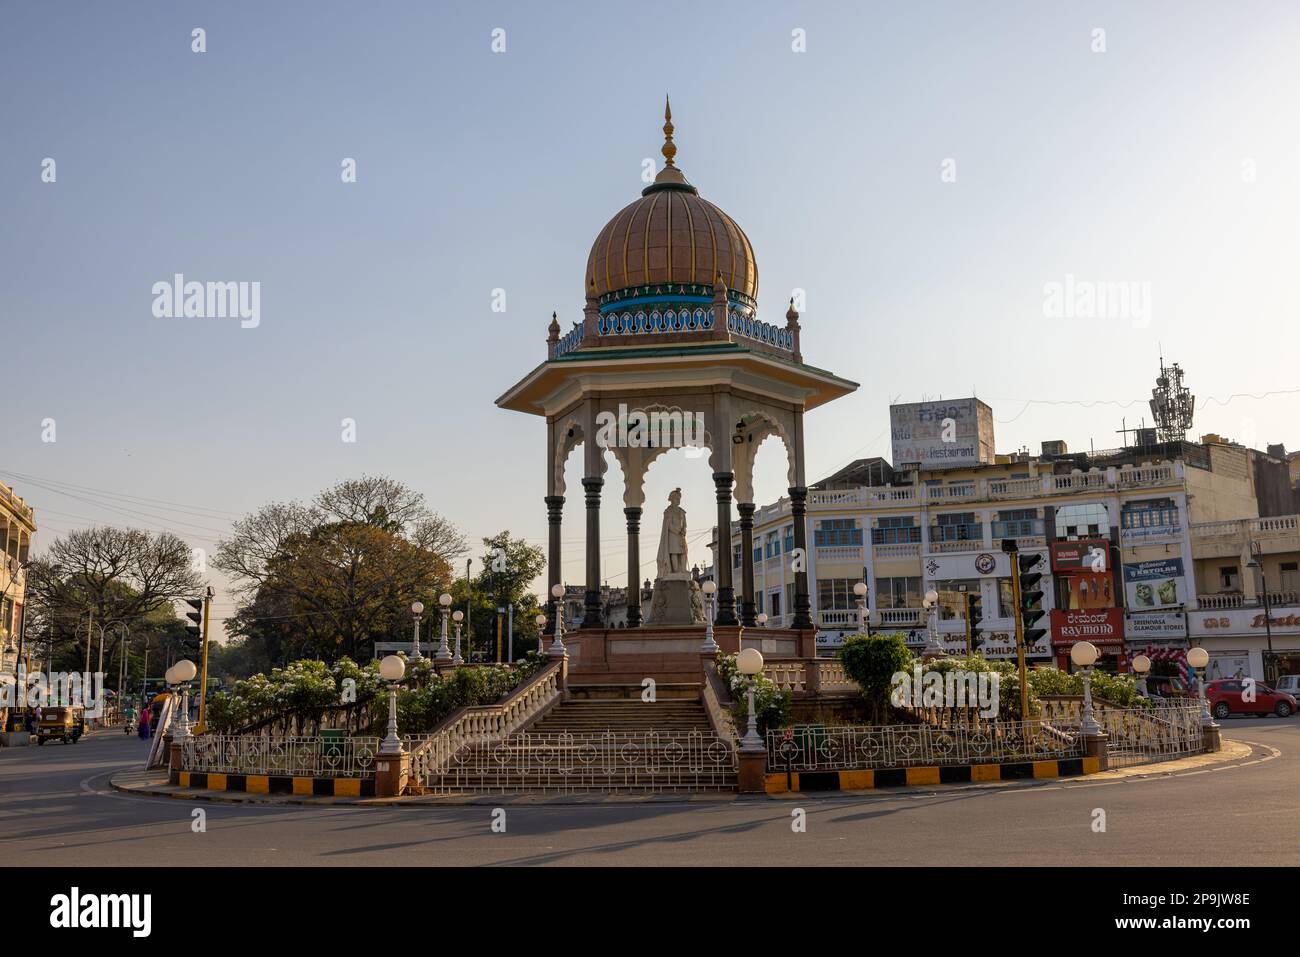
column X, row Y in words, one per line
column 479, row 171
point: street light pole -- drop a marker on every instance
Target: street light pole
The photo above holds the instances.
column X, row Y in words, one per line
column 417, row 612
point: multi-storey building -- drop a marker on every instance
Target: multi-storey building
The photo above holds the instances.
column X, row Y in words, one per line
column 17, row 526
column 911, row 530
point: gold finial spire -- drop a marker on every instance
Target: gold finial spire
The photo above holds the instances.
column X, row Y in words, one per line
column 669, row 149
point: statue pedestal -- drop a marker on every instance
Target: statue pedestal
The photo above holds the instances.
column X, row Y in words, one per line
column 676, row 602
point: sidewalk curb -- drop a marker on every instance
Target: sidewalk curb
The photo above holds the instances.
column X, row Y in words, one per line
column 153, row 784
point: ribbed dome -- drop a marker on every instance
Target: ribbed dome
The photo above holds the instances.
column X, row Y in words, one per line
column 671, row 235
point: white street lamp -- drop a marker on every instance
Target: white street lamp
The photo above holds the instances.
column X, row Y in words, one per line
column 1197, row 660
column 392, row 669
column 180, row 675
column 557, row 646
column 457, row 616
column 1084, row 655
column 750, row 663
column 1141, row 665
column 417, row 611
column 933, row 649
column 860, row 589
column 762, row 620
column 710, row 647
column 443, row 651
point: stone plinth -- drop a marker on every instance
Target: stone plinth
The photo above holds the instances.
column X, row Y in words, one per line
column 676, row 601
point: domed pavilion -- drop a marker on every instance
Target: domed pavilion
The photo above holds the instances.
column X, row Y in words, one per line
column 671, row 325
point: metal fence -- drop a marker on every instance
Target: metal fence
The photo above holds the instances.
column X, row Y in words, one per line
column 1138, row 736
column 249, row 754
column 609, row 761
column 818, row 748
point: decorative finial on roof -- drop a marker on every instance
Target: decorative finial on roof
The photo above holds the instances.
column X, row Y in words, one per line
column 791, row 315
column 554, row 327
column 669, row 149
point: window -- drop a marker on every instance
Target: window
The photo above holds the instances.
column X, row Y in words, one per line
column 1017, row 523
column 1151, row 513
column 956, row 527
column 1228, row 577
column 758, row 603
column 836, row 532
column 771, row 545
column 789, row 595
column 758, row 554
column 1089, row 520
column 1006, row 603
column 952, row 596
column 899, row 530
column 736, row 555
column 901, row 592
column 1290, row 576
column 776, row 605
column 836, row 594
column 789, row 539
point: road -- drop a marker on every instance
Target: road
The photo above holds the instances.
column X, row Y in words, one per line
column 56, row 808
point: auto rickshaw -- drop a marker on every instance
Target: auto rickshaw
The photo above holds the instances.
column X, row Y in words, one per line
column 62, row 724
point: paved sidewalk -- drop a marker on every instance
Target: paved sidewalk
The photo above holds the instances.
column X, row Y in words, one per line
column 155, row 784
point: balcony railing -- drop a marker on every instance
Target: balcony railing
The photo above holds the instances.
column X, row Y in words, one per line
column 897, row 551
column 1275, row 599
column 839, row 553
column 1128, row 477
column 1248, row 528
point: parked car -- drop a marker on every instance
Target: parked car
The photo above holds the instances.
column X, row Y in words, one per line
column 1288, row 684
column 61, row 724
column 1228, row 696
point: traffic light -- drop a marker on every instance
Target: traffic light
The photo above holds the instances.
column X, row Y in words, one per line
column 195, row 630
column 974, row 615
column 1031, row 596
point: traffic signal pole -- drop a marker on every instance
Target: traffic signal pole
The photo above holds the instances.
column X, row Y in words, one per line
column 1020, row 635
column 203, row 675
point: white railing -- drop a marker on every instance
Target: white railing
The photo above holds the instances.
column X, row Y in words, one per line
column 1078, row 480
column 608, row 761
column 840, row 553
column 1015, row 488
column 720, row 718
column 280, row 756
column 1280, row 523
column 898, row 551
column 821, row 748
column 846, row 496
column 1145, row 475
column 901, row 616
column 893, row 496
column 961, row 545
column 481, row 723
column 786, row 675
column 837, row 617
column 1136, row 736
column 1220, row 602
column 831, row 677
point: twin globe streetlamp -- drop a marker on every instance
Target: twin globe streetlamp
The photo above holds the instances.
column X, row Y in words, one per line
column 1084, row 654
column 750, row 664
column 179, row 677
column 710, row 588
column 1198, row 659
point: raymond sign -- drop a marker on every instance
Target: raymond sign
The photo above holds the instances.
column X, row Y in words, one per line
column 1101, row 626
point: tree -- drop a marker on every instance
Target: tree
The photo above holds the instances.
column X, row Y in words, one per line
column 106, row 575
column 331, row 577
column 508, row 568
column 872, row 661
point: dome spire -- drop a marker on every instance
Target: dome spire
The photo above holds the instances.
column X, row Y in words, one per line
column 669, row 149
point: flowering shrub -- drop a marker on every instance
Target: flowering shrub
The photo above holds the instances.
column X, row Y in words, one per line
column 302, row 692
column 771, row 704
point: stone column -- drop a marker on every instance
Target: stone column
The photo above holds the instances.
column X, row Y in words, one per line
column 591, row 617
column 748, row 611
column 554, row 507
column 633, row 567
column 799, row 511
column 726, row 593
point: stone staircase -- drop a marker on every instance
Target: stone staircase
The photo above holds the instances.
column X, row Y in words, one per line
column 601, row 738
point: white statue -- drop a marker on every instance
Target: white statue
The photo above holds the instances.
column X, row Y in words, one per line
column 672, row 540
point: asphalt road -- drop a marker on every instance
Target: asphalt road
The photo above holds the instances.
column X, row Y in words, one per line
column 56, row 808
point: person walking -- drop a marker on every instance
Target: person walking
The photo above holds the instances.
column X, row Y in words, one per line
column 144, row 724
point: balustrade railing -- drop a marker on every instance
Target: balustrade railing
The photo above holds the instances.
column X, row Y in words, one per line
column 481, row 723
column 712, row 694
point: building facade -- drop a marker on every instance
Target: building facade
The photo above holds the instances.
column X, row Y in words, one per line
column 1161, row 516
column 19, row 526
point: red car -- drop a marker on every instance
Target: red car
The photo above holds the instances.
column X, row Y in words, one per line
column 1232, row 696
